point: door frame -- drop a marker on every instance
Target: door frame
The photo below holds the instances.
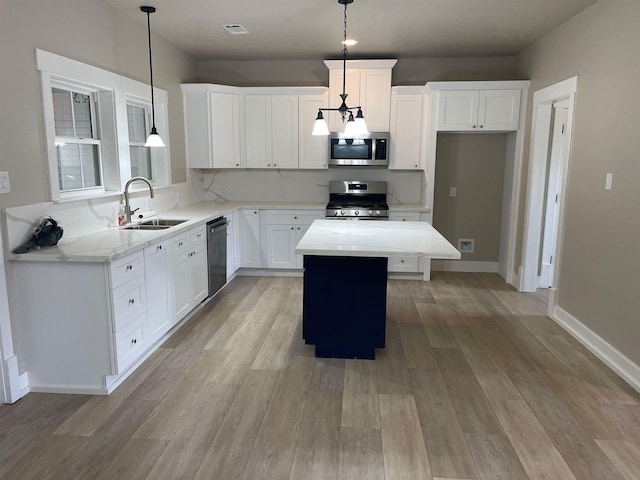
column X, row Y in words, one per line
column 543, row 101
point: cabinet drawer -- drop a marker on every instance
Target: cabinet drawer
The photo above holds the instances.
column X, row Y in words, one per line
column 130, row 343
column 404, row 216
column 129, row 301
column 198, row 235
column 403, row 264
column 126, row 268
column 179, row 243
column 290, row 217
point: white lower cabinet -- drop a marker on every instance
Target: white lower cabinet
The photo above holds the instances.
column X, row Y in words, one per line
column 188, row 271
column 404, row 264
column 284, row 229
column 232, row 244
column 160, row 302
column 248, row 223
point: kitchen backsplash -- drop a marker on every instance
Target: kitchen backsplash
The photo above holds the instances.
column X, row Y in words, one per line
column 405, row 187
column 83, row 217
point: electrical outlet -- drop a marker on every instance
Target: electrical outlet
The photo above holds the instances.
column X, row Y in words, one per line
column 453, row 191
column 466, row 245
column 5, row 187
column 608, row 180
column 283, row 192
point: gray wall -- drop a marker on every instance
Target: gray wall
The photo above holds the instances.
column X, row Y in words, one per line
column 474, row 164
column 599, row 280
column 89, row 31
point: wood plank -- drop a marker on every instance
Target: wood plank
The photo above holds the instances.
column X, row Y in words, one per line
column 328, row 375
column 231, row 446
column 360, row 455
column 391, row 365
column 279, row 429
column 625, row 456
column 447, row 449
column 495, row 458
column 405, row 456
column 360, row 395
column 629, row 417
column 417, row 349
column 135, row 459
column 474, row 411
column 274, row 350
column 317, row 450
column 440, row 336
column 268, row 464
column 578, row 449
column 184, row 453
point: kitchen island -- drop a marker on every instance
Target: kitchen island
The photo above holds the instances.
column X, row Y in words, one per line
column 345, row 280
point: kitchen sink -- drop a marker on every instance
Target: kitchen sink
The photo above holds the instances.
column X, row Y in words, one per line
column 155, row 224
column 162, row 222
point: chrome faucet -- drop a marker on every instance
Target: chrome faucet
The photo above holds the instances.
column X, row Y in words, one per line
column 127, row 207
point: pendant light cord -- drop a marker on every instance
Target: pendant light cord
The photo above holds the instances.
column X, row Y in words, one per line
column 153, row 110
column 344, row 52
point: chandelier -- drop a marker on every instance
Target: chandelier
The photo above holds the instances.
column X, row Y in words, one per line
column 355, row 125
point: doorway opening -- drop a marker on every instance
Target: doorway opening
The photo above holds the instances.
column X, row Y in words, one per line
column 551, row 130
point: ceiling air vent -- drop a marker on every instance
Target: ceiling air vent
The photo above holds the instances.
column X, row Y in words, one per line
column 236, row 29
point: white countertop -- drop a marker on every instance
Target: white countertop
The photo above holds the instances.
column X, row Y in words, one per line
column 375, row 239
column 112, row 243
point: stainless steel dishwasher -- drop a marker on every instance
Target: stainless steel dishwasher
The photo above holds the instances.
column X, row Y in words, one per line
column 217, row 254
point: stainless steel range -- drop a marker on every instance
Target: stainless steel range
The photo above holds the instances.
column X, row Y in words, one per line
column 355, row 200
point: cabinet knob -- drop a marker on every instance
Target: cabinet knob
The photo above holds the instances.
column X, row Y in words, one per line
column 132, row 301
column 134, row 341
column 237, row 164
column 129, row 267
column 159, row 247
column 473, row 126
column 416, row 166
column 298, row 228
column 275, row 165
column 268, row 164
column 481, row 126
column 179, row 244
column 295, row 218
column 291, row 228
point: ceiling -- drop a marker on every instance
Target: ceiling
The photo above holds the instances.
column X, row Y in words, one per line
column 313, row 29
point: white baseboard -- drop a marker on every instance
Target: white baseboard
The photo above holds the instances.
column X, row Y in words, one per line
column 619, row 363
column 464, row 266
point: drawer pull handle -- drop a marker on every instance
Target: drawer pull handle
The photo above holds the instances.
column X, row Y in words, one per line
column 132, row 301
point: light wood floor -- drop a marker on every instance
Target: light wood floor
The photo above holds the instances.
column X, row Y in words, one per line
column 475, row 383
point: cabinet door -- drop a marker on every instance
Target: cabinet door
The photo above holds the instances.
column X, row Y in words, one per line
column 257, row 110
column 225, row 132
column 458, row 110
column 404, row 264
column 281, row 244
column 499, row 110
column 180, row 285
column 406, row 132
column 284, row 131
column 249, row 238
column 312, row 150
column 232, row 244
column 375, row 98
column 198, row 275
column 159, row 303
column 352, row 89
column 300, row 231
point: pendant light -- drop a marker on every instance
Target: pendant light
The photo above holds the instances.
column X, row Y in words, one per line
column 355, row 126
column 153, row 140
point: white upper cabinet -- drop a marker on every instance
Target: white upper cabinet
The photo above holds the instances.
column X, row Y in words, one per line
column 406, row 130
column 367, row 84
column 257, row 121
column 478, row 110
column 212, row 126
column 312, row 150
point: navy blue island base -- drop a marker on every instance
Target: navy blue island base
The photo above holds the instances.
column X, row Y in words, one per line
column 344, row 305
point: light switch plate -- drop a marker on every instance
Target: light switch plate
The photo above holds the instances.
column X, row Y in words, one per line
column 453, row 191
column 608, row 180
column 5, row 187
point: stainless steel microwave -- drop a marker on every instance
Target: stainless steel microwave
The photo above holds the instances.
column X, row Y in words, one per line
column 368, row 150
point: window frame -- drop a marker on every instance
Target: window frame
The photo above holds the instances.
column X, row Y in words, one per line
column 112, row 92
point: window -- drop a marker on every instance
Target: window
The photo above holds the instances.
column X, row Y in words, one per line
column 76, row 140
column 96, row 123
column 139, row 154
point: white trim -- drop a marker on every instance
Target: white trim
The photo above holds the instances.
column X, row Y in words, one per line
column 540, row 124
column 614, row 359
column 479, row 85
column 464, row 266
column 364, row 64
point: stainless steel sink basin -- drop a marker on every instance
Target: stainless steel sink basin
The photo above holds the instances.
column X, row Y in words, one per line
column 155, row 224
column 162, row 222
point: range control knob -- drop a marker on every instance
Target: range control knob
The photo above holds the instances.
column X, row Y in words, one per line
column 377, row 212
column 357, row 212
column 370, row 212
column 342, row 212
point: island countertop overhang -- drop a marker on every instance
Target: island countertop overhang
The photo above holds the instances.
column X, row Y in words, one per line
column 375, row 239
